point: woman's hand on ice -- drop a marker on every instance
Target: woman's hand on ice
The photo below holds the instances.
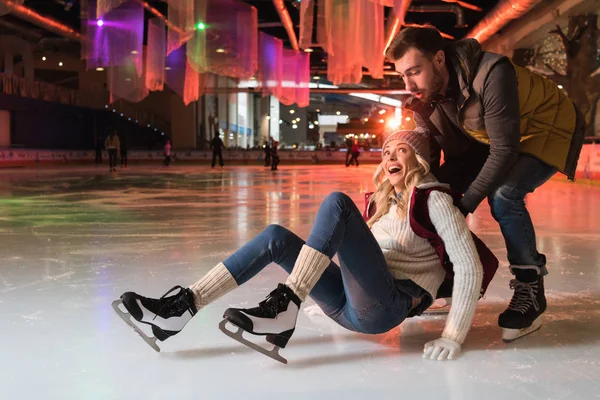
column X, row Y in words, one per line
column 441, row 349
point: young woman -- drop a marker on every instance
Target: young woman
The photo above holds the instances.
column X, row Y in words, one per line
column 386, row 273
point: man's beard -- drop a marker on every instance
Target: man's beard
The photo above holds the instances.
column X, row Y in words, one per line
column 435, row 87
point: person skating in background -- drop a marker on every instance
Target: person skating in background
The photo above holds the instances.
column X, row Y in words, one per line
column 274, row 155
column 99, row 148
column 124, row 152
column 112, row 145
column 167, row 152
column 355, row 152
column 267, row 150
column 217, row 151
column 387, row 272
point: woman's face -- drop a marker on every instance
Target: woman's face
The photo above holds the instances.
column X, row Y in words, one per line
column 398, row 158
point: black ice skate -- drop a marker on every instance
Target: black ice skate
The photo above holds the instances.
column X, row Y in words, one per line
column 167, row 316
column 275, row 317
column 524, row 313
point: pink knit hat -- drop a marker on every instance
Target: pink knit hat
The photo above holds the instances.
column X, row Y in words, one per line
column 418, row 139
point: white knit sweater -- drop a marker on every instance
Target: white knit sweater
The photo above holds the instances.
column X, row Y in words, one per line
column 412, row 257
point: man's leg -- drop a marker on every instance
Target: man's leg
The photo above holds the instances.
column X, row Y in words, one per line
column 507, row 204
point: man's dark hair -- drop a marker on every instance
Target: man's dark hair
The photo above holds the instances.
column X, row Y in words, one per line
column 425, row 38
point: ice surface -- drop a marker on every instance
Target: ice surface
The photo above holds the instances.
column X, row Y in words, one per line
column 73, row 239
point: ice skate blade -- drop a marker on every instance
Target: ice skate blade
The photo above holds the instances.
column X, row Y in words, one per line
column 127, row 318
column 274, row 354
column 439, row 307
column 510, row 335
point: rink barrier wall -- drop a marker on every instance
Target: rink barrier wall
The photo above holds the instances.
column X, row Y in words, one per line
column 588, row 167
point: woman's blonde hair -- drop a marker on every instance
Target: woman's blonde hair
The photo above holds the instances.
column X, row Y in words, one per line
column 385, row 195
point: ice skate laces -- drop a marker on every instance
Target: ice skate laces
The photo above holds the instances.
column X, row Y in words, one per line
column 525, row 296
column 176, row 303
column 274, row 301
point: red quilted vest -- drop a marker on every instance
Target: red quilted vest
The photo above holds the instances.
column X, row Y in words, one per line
column 423, row 227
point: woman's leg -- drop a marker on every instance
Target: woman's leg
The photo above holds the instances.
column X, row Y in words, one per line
column 372, row 302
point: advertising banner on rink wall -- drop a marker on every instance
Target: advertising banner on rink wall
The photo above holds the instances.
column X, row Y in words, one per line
column 588, row 167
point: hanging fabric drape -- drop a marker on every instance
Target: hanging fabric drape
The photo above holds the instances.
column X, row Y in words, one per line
column 181, row 14
column 352, row 33
column 124, row 82
column 295, row 78
column 231, row 37
column 270, row 64
column 156, row 51
column 118, row 40
column 104, row 6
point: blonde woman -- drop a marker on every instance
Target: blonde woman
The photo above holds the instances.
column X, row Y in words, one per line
column 386, row 273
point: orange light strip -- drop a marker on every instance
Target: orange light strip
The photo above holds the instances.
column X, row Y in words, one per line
column 158, row 14
column 33, row 17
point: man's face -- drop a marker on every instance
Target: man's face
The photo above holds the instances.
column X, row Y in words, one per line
column 422, row 75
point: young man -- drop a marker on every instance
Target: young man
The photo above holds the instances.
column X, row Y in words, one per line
column 504, row 131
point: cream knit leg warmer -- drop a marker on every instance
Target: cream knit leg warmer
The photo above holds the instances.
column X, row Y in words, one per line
column 309, row 267
column 216, row 283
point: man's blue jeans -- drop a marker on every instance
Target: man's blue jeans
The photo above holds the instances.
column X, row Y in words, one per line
column 360, row 294
column 507, row 202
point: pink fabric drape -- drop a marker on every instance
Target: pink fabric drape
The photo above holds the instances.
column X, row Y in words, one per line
column 231, row 40
column 119, row 40
column 296, row 78
column 104, row 6
column 156, row 54
column 182, row 15
column 124, row 82
column 270, row 64
column 352, row 33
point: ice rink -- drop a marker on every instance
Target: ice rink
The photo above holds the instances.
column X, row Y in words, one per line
column 75, row 238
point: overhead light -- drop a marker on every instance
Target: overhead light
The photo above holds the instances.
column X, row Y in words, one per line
column 381, row 112
column 316, row 77
column 134, row 52
column 114, row 110
column 136, row 121
column 295, row 126
column 253, row 78
column 200, row 26
column 560, row 86
column 99, row 69
column 316, row 122
column 407, row 118
column 155, row 129
column 106, row 106
column 148, row 125
column 298, row 119
column 337, row 113
column 220, row 50
column 318, row 110
column 281, row 121
column 382, row 120
column 168, row 68
column 292, row 111
column 121, row 114
column 162, row 133
column 127, row 79
column 366, row 119
column 99, row 22
column 44, row 58
column 129, row 119
column 311, row 126
column 268, row 117
column 309, row 50
column 60, row 64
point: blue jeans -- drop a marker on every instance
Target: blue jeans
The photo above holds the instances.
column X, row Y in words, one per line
column 507, row 204
column 360, row 294
column 507, row 201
